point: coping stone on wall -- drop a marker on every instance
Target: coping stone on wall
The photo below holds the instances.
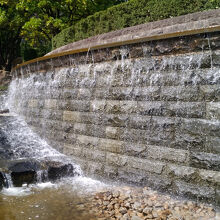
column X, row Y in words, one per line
column 189, row 24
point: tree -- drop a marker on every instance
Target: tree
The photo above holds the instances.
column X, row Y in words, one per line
column 11, row 23
column 49, row 17
column 35, row 22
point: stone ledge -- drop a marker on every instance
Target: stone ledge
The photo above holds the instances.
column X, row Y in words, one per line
column 184, row 25
column 205, row 22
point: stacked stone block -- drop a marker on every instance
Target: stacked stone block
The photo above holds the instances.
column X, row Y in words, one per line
column 133, row 113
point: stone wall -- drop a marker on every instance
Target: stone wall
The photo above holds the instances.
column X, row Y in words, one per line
column 145, row 113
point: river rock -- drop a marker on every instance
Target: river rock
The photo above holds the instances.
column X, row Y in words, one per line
column 24, row 172
column 56, row 171
column 4, row 111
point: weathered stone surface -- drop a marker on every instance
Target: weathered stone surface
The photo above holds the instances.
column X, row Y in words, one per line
column 95, row 169
column 205, row 160
column 181, row 172
column 85, row 94
column 112, row 146
column 180, row 93
column 76, row 105
column 210, row 176
column 51, row 103
column 186, row 110
column 71, row 116
column 111, row 172
column 213, row 110
column 192, row 133
column 97, row 106
column 112, row 132
column 73, row 150
column 213, row 144
column 151, row 108
column 48, row 114
column 191, row 190
column 140, row 122
column 70, row 93
column 164, row 153
column 5, row 78
column 116, row 159
column 147, row 165
column 210, row 92
column 158, row 182
column 87, row 141
column 134, row 149
column 146, row 93
column 94, row 155
column 134, row 176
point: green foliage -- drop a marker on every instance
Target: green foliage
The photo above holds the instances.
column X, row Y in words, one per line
column 35, row 22
column 49, row 17
column 11, row 21
column 128, row 14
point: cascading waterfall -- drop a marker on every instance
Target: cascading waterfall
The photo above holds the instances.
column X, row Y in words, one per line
column 19, row 145
column 144, row 113
column 40, row 95
column 120, row 94
column 3, row 97
column 54, row 84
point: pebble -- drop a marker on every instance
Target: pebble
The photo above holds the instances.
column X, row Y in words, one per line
column 123, row 210
column 137, row 205
column 116, row 194
column 130, row 203
column 135, row 218
column 154, row 213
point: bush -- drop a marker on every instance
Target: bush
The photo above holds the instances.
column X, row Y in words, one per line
column 128, row 14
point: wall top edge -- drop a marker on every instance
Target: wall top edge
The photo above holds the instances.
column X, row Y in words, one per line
column 191, row 24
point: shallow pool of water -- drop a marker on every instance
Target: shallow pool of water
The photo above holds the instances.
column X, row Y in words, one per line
column 47, row 201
